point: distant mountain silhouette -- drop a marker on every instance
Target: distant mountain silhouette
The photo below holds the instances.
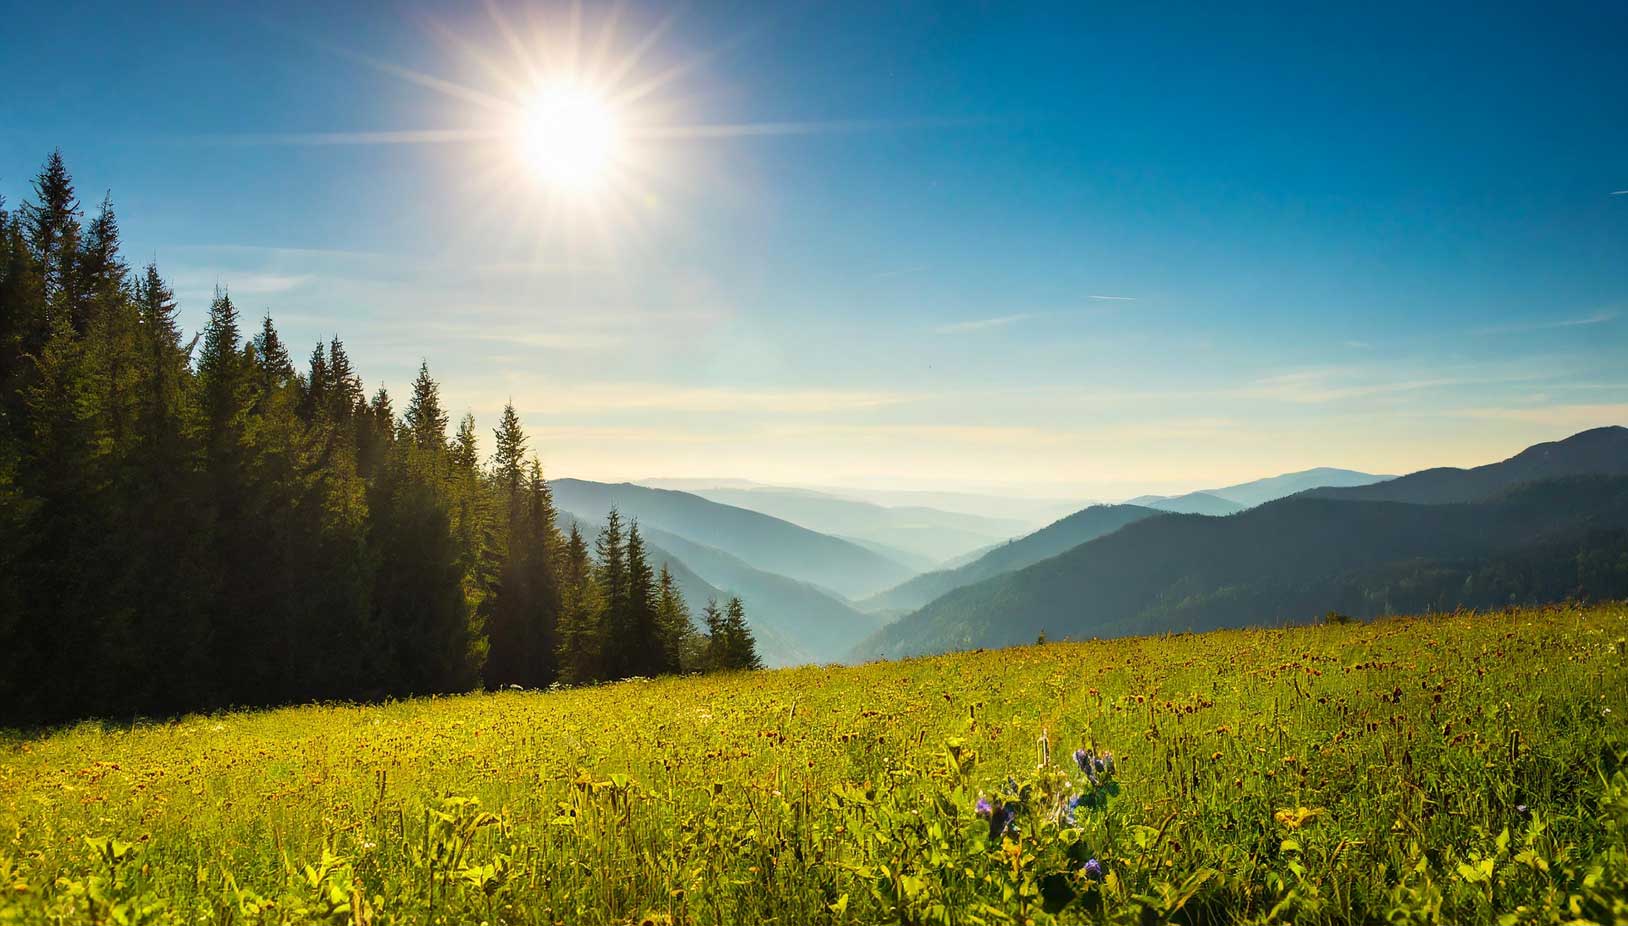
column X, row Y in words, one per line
column 1234, row 498
column 1194, row 503
column 1261, row 491
column 1601, row 450
column 926, row 535
column 1077, row 528
column 764, row 542
column 1291, row 560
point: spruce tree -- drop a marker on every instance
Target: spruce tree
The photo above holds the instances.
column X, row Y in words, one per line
column 613, row 587
column 715, row 652
column 741, row 646
column 642, row 647
column 276, row 368
column 52, row 227
column 314, row 390
column 425, row 420
column 465, row 450
column 102, row 273
column 673, row 620
column 581, row 634
column 345, row 396
column 509, row 460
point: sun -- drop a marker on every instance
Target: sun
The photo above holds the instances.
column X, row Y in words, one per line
column 569, row 137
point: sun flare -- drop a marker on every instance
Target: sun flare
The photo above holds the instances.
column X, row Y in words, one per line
column 568, row 137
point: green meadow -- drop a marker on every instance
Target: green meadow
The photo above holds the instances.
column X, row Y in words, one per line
column 1449, row 768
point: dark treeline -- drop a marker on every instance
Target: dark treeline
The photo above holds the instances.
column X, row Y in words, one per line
column 195, row 523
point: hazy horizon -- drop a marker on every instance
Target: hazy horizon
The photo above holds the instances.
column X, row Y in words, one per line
column 1058, row 252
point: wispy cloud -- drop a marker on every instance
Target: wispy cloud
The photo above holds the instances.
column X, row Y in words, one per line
column 1598, row 318
column 1619, row 192
column 981, row 324
column 1568, row 416
column 594, row 398
column 1101, row 298
column 1333, row 384
column 240, row 283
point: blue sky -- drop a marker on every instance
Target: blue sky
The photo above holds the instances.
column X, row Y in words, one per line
column 869, row 244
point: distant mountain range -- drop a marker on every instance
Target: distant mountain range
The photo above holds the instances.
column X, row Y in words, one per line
column 1601, row 450
column 1077, row 528
column 926, row 536
column 1236, row 498
column 759, row 540
column 1547, row 523
column 1031, row 512
column 1191, row 503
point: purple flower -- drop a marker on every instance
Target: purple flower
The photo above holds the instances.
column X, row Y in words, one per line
column 1522, row 809
column 1000, row 820
column 983, row 808
column 1092, row 870
column 1082, row 758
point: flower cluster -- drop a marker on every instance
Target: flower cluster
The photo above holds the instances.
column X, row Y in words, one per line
column 1099, row 787
column 1002, row 814
column 1096, row 768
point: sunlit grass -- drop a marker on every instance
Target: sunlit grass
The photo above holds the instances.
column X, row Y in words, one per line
column 1330, row 773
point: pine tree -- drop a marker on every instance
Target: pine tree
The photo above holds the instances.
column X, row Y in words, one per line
column 314, row 391
column 344, row 387
column 425, row 419
column 222, row 379
column 465, row 451
column 581, row 637
column 673, row 618
column 24, row 321
column 613, row 588
column 740, row 646
column 716, row 649
column 52, row 226
column 277, row 370
column 524, row 607
column 102, row 273
column 639, row 645
column 508, row 462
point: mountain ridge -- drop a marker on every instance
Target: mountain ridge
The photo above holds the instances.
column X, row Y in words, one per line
column 762, row 541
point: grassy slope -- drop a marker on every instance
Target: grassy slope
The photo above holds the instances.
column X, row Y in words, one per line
column 770, row 797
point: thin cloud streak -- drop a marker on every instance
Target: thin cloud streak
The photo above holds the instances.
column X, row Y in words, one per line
column 626, row 397
column 1113, row 298
column 1598, row 318
column 983, row 324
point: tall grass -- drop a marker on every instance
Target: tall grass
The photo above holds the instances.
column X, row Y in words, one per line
column 1455, row 768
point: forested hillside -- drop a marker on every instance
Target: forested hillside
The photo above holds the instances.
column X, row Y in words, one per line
column 1085, row 524
column 1291, row 561
column 193, row 522
column 1599, row 450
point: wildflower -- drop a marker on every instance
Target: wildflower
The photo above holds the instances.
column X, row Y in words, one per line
column 1000, row 820
column 1296, row 817
column 1082, row 758
column 1522, row 809
column 1092, row 870
column 983, row 808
